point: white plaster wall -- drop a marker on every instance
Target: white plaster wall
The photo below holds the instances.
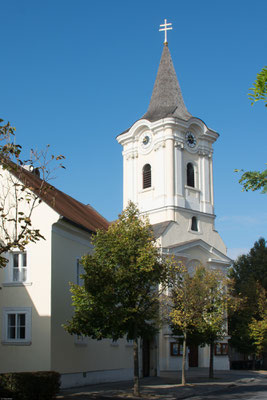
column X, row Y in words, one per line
column 167, row 361
column 35, row 293
column 219, row 362
column 94, row 377
column 69, row 244
column 168, row 156
column 180, row 232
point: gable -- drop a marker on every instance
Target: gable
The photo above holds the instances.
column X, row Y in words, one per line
column 199, row 251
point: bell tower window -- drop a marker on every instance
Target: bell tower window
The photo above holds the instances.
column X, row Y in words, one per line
column 190, row 175
column 146, row 176
column 194, row 224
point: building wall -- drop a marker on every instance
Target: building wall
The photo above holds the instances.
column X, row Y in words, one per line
column 34, row 294
column 80, row 360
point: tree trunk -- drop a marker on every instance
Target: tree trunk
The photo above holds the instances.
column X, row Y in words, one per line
column 136, row 369
column 184, row 359
column 254, row 361
column 211, row 374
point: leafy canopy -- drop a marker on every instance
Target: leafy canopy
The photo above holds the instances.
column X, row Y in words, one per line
column 256, row 180
column 199, row 304
column 120, row 295
column 259, row 89
column 249, row 274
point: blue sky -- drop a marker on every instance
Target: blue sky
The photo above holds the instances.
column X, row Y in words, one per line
column 76, row 73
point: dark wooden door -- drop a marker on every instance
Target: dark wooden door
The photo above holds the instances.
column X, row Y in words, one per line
column 193, row 356
column 146, row 357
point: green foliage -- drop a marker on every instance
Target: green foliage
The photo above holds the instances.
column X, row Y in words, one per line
column 120, row 295
column 30, row 385
column 187, row 299
column 249, row 274
column 254, row 180
column 199, row 305
column 258, row 327
column 259, row 89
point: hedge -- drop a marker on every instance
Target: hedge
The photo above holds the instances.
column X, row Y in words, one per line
column 41, row 385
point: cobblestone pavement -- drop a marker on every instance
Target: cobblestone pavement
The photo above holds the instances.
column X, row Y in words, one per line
column 167, row 386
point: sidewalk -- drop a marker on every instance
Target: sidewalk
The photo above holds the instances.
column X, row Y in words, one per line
column 167, row 386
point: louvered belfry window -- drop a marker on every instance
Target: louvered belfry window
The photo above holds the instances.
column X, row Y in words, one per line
column 190, row 175
column 146, row 176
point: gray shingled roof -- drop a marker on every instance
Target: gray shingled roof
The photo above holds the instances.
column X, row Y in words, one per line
column 167, row 99
column 160, row 228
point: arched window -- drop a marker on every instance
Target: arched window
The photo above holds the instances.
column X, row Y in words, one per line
column 194, row 224
column 146, row 176
column 190, row 175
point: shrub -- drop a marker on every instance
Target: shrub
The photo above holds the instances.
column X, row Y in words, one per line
column 43, row 385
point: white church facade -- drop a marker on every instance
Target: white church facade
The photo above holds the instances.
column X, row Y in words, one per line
column 167, row 172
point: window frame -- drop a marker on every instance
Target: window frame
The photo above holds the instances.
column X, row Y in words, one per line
column 178, row 352
column 147, row 177
column 21, row 269
column 192, row 177
column 27, row 311
column 194, row 218
column 223, row 351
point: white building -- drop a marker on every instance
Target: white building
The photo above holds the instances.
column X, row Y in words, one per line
column 35, row 296
column 167, row 172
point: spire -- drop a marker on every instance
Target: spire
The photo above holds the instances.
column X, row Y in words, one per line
column 167, row 99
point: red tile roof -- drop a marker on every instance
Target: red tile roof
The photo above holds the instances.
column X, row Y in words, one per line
column 72, row 210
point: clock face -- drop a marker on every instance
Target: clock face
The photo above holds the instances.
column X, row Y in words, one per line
column 145, row 140
column 190, row 139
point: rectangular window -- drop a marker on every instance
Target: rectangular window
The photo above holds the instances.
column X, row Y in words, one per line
column 18, row 266
column 17, row 325
column 221, row 349
column 176, row 349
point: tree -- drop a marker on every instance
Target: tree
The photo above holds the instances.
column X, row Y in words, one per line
column 120, row 294
column 18, row 198
column 259, row 89
column 258, row 327
column 198, row 308
column 249, row 274
column 256, row 180
column 186, row 304
column 218, row 303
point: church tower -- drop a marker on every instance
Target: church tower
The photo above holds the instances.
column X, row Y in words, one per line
column 167, row 173
column 167, row 159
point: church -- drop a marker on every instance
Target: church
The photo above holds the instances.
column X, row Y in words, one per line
column 167, row 172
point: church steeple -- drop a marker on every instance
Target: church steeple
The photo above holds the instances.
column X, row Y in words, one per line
column 167, row 99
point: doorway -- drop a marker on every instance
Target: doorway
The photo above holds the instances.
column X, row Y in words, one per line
column 193, row 356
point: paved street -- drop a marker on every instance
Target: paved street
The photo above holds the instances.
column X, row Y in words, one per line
column 251, row 391
column 227, row 385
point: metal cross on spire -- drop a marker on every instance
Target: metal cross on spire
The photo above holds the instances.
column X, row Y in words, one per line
column 165, row 27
